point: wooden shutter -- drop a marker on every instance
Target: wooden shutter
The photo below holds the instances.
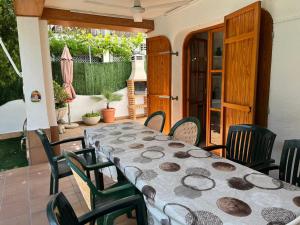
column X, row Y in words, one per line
column 241, row 49
column 159, row 77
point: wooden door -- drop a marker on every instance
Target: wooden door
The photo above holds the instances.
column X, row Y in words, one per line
column 241, row 49
column 159, row 77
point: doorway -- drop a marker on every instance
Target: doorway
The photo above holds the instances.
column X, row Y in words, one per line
column 202, row 81
column 197, row 79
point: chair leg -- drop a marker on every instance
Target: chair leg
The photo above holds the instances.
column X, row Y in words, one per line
column 56, row 185
column 99, row 180
column 51, row 184
column 129, row 215
column 141, row 215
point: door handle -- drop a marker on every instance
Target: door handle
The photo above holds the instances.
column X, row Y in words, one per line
column 168, row 97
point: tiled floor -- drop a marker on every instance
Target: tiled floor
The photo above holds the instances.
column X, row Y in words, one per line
column 24, row 192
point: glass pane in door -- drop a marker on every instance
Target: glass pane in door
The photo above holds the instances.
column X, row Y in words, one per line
column 216, row 90
column 215, row 133
column 217, row 50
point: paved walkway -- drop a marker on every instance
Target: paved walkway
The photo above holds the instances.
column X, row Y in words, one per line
column 24, row 192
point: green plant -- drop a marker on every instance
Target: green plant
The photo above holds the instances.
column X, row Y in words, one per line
column 109, row 97
column 92, row 114
column 10, row 83
column 60, row 95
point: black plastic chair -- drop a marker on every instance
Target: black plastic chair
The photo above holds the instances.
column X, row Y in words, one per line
column 156, row 121
column 249, row 145
column 187, row 130
column 95, row 198
column 60, row 211
column 289, row 163
column 58, row 164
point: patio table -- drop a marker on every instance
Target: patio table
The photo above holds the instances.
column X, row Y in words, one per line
column 183, row 184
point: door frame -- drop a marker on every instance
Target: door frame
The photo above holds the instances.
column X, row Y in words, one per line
column 185, row 68
column 184, row 77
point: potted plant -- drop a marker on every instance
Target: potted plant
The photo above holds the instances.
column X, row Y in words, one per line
column 91, row 118
column 61, row 97
column 108, row 113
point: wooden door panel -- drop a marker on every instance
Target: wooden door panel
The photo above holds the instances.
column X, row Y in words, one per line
column 241, row 44
column 159, row 77
column 160, row 104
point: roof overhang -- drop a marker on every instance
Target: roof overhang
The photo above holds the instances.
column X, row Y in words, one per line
column 36, row 8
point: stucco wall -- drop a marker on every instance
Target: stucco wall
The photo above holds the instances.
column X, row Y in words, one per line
column 284, row 104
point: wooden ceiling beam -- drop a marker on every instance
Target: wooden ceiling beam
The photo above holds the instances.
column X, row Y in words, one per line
column 75, row 19
column 33, row 8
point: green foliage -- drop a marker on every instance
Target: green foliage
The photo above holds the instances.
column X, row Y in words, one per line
column 92, row 114
column 10, row 82
column 60, row 95
column 109, row 97
column 93, row 79
column 79, row 41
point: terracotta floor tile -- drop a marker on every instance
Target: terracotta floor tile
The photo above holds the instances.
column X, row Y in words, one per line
column 17, row 220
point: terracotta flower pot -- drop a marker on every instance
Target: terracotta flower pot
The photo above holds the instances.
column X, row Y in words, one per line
column 108, row 115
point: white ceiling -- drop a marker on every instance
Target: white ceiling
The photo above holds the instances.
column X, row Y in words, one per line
column 96, row 7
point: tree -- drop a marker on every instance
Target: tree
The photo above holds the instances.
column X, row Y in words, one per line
column 10, row 82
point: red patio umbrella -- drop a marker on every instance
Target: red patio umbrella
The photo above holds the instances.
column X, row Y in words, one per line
column 66, row 64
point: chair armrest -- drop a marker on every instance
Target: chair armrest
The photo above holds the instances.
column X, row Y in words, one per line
column 84, row 151
column 213, row 147
column 260, row 163
column 109, row 208
column 116, row 189
column 69, row 140
column 99, row 165
column 267, row 167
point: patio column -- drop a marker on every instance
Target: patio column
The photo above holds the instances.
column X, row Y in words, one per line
column 37, row 76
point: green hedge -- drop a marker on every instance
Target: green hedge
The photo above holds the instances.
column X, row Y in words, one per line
column 93, row 79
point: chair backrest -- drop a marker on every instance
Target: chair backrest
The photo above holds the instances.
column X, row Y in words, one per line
column 289, row 162
column 47, row 147
column 156, row 121
column 249, row 143
column 187, row 130
column 60, row 212
column 86, row 186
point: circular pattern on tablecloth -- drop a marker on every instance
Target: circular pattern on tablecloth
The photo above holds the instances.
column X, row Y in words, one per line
column 97, row 143
column 155, row 148
column 136, row 146
column 234, row 206
column 275, row 215
column 182, row 155
column 128, row 123
column 198, row 153
column 140, row 159
column 198, row 182
column 296, row 201
column 148, row 175
column 127, row 128
column 239, row 184
column 116, row 161
column 187, row 192
column 115, row 133
column 108, row 127
column 98, row 137
column 161, row 137
column 259, row 180
column 198, row 171
column 126, row 138
column 150, row 193
column 223, row 166
column 148, row 138
column 169, row 167
column 152, row 154
column 203, row 218
column 286, row 186
column 176, row 145
column 147, row 132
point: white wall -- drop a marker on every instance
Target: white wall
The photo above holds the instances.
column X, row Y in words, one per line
column 84, row 104
column 284, row 117
column 12, row 116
